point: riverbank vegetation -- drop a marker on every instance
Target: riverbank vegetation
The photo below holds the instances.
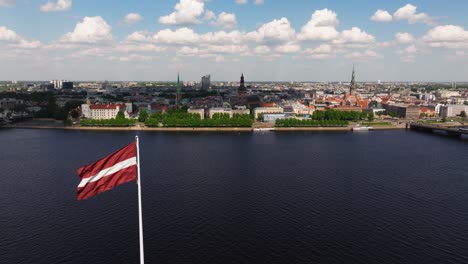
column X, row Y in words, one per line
column 184, row 119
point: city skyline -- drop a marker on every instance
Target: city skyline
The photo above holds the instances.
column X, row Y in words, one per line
column 267, row 40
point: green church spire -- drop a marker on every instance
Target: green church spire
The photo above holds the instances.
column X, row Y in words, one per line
column 352, row 88
column 178, row 83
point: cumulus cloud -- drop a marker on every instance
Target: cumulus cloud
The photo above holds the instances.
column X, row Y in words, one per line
column 321, row 26
column 288, row 48
column 354, row 35
column 187, row 12
column 404, row 37
column 408, row 12
column 7, row 34
column 226, row 20
column 278, row 30
column 382, row 16
column 60, row 5
column 180, row 36
column 448, row 36
column 7, row 3
column 16, row 41
column 132, row 18
column 90, row 30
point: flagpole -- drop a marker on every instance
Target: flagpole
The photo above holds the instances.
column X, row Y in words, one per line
column 142, row 255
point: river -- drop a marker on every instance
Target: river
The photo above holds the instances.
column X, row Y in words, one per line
column 289, row 197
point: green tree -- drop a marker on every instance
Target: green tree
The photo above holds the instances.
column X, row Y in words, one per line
column 142, row 115
column 370, row 116
column 120, row 115
column 463, row 114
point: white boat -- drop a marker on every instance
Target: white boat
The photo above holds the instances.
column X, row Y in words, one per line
column 361, row 128
column 263, row 129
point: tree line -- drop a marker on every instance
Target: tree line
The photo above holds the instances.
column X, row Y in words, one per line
column 184, row 119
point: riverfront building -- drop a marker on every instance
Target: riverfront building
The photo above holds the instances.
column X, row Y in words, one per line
column 452, row 110
column 403, row 111
column 105, row 111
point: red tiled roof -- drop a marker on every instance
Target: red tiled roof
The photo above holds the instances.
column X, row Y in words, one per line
column 107, row 106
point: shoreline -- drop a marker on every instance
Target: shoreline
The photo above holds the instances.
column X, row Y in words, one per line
column 199, row 129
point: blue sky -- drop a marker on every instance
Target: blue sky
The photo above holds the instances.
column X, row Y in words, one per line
column 298, row 40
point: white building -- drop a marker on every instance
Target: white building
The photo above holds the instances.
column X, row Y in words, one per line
column 200, row 112
column 452, row 110
column 267, row 110
column 230, row 112
column 104, row 111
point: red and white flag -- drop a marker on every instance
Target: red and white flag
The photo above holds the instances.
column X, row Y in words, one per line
column 118, row 168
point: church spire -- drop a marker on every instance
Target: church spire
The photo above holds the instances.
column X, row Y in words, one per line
column 178, row 83
column 352, row 88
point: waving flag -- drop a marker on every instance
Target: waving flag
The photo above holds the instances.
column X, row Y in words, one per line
column 118, row 168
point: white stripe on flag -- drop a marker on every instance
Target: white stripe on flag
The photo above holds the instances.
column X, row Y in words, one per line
column 106, row 172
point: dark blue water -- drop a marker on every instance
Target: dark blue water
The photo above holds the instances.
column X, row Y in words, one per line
column 377, row 197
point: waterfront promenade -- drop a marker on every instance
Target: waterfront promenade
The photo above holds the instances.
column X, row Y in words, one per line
column 50, row 124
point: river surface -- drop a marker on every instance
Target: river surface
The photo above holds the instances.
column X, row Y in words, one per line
column 290, row 197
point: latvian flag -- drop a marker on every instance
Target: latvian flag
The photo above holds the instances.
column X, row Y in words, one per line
column 116, row 169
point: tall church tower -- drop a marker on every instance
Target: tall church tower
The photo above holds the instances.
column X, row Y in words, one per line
column 242, row 90
column 352, row 88
column 178, row 92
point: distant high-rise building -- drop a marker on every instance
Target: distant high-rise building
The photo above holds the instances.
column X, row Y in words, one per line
column 67, row 85
column 205, row 82
column 58, row 84
column 352, row 88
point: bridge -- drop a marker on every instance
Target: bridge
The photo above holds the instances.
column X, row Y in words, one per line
column 449, row 130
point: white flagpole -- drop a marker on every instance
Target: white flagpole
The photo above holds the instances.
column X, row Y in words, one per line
column 142, row 254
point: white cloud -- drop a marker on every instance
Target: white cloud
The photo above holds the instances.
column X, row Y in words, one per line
column 226, row 20
column 278, row 30
column 139, row 36
column 188, row 51
column 324, row 51
column 241, row 2
column 355, row 35
column 321, row 26
column 363, row 56
column 8, row 35
column 27, row 44
column 263, row 49
column 408, row 54
column 132, row 18
column 447, row 36
column 404, row 37
column 187, row 12
column 60, row 5
column 408, row 12
column 259, row 2
column 180, row 36
column 90, row 30
column 288, row 48
column 7, row 3
column 449, row 33
column 209, row 15
column 126, row 47
column 382, row 16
